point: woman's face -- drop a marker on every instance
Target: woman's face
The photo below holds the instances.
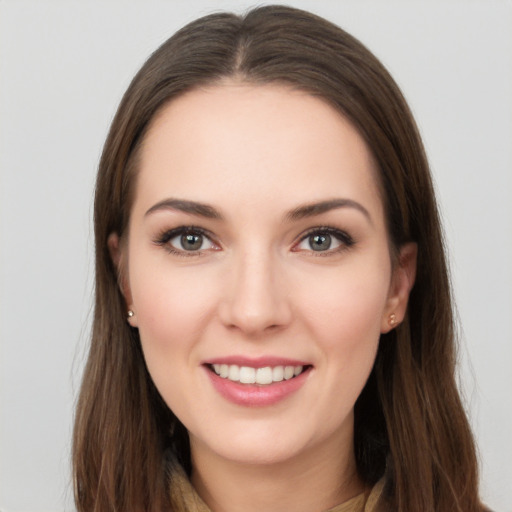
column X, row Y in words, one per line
column 258, row 268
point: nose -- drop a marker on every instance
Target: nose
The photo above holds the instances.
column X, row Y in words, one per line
column 255, row 299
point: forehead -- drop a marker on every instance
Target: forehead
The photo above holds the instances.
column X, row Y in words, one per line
column 247, row 144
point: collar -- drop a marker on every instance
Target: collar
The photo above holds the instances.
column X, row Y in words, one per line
column 186, row 499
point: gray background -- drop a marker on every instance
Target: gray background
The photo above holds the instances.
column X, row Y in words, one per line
column 63, row 68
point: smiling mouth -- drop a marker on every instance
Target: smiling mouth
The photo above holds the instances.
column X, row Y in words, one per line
column 261, row 376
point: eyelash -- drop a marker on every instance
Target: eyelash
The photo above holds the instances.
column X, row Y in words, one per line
column 166, row 236
column 346, row 240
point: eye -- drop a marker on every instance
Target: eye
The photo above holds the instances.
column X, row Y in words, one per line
column 190, row 242
column 185, row 240
column 324, row 239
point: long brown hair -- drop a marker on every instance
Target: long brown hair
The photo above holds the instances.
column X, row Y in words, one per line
column 410, row 426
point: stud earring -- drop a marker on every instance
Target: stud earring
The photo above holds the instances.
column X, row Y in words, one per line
column 130, row 314
column 392, row 319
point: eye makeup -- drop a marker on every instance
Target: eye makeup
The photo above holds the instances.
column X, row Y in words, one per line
column 194, row 241
column 186, row 241
column 324, row 241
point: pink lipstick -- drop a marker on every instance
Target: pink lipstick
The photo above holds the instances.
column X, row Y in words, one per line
column 256, row 382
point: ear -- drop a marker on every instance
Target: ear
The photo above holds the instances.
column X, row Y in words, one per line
column 118, row 258
column 402, row 282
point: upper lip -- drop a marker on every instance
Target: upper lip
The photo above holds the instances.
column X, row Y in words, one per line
column 257, row 362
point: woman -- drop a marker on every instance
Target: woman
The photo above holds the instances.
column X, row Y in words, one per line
column 273, row 325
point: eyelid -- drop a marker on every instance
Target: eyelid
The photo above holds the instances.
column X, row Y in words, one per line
column 167, row 235
column 345, row 240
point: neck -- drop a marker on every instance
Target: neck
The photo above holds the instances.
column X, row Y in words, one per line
column 314, row 480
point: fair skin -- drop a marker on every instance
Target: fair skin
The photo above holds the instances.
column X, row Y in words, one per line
column 226, row 262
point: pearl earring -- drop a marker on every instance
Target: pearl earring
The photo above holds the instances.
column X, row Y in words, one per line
column 130, row 314
column 392, row 319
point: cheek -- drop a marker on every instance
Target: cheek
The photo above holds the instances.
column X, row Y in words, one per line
column 172, row 306
column 343, row 312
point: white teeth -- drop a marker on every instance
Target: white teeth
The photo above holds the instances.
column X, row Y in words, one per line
column 224, row 370
column 247, row 375
column 278, row 373
column 261, row 376
column 234, row 372
column 288, row 372
column 264, row 375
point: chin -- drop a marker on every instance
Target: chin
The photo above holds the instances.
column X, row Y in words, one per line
column 257, row 446
column 257, row 455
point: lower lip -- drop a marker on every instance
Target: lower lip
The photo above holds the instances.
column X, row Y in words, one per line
column 254, row 395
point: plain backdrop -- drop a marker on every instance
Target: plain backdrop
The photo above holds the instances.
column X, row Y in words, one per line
column 63, row 68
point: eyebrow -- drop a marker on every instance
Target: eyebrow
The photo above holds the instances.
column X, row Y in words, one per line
column 182, row 205
column 310, row 210
column 301, row 212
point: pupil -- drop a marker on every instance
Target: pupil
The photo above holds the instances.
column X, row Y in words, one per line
column 320, row 242
column 191, row 242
